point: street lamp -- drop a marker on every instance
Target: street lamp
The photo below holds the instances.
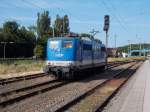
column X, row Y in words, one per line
column 5, row 43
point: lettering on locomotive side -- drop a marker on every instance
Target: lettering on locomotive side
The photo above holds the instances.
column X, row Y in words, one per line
column 59, row 55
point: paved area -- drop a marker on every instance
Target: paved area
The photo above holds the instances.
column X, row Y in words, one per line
column 135, row 95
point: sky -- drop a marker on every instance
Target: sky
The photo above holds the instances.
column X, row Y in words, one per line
column 129, row 19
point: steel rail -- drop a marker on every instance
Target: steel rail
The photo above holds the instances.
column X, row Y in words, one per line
column 31, row 91
column 89, row 92
column 20, row 78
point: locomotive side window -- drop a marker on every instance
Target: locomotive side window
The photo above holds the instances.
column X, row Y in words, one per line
column 87, row 47
column 54, row 44
column 103, row 49
column 67, row 44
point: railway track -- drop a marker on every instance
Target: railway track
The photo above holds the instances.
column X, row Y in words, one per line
column 14, row 96
column 115, row 64
column 102, row 98
column 21, row 78
column 17, row 95
column 28, row 77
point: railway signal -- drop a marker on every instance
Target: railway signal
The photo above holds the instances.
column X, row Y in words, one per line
column 106, row 23
column 106, row 28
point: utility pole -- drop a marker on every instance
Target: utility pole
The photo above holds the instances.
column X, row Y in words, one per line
column 144, row 48
column 129, row 48
column 139, row 45
column 107, row 43
column 5, row 49
column 140, row 48
column 53, row 30
column 115, row 40
column 63, row 27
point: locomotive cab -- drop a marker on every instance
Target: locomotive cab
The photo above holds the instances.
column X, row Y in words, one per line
column 60, row 54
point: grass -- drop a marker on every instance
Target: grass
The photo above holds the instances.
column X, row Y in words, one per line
column 125, row 59
column 117, row 59
column 7, row 67
column 17, row 66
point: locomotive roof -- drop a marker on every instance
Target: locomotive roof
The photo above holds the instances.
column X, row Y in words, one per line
column 82, row 38
column 56, row 38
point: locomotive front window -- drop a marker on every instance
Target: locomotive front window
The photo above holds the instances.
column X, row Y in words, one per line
column 54, row 44
column 67, row 44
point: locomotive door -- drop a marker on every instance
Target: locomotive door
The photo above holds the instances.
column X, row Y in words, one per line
column 80, row 57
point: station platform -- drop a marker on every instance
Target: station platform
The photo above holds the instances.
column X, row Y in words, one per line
column 135, row 94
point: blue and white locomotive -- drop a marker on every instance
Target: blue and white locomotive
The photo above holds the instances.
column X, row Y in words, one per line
column 67, row 57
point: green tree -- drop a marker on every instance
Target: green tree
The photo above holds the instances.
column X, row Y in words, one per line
column 10, row 27
column 61, row 25
column 66, row 24
column 24, row 40
column 38, row 51
column 86, row 35
column 32, row 28
column 44, row 31
column 10, row 31
column 43, row 24
column 58, row 26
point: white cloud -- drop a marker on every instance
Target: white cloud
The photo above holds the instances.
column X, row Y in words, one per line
column 47, row 4
column 21, row 18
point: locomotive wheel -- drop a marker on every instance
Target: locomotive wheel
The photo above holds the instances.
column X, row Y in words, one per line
column 63, row 75
column 69, row 75
column 72, row 75
column 103, row 68
column 59, row 74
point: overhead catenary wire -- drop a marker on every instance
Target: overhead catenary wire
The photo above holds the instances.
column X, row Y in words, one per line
column 114, row 15
column 115, row 9
column 31, row 3
column 54, row 13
